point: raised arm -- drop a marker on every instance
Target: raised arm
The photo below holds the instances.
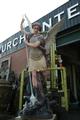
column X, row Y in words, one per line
column 22, row 28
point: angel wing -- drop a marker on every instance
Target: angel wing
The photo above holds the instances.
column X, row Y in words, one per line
column 52, row 34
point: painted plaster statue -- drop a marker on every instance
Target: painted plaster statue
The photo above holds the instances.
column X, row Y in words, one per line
column 36, row 43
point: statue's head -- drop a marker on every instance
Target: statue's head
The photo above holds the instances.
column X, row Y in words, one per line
column 37, row 26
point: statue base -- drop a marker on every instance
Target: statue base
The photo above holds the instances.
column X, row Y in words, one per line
column 35, row 118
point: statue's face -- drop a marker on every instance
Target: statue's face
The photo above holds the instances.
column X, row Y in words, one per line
column 36, row 29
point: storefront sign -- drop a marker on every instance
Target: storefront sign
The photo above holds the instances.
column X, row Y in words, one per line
column 12, row 43
column 71, row 13
column 15, row 42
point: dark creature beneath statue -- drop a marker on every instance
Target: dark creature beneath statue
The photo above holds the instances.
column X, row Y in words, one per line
column 39, row 110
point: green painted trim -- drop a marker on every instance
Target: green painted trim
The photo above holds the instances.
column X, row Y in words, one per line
column 68, row 38
column 21, row 90
column 65, row 89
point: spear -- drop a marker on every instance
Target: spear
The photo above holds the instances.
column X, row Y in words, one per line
column 33, row 99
